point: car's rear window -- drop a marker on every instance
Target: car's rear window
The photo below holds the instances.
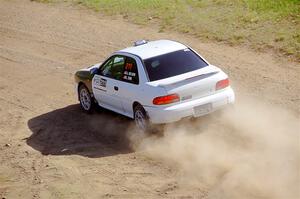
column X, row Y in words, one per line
column 172, row 64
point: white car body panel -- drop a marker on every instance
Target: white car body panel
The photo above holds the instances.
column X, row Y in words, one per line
column 106, row 96
column 154, row 48
column 173, row 113
column 196, row 88
column 127, row 94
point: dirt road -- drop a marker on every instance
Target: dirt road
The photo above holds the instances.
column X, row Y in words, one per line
column 50, row 149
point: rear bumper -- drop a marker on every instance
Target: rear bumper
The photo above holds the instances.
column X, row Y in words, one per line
column 162, row 114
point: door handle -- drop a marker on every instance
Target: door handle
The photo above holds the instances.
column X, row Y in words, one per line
column 116, row 88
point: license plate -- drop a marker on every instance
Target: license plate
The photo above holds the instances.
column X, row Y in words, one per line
column 202, row 109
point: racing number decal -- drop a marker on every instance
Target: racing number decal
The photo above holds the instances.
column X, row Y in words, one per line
column 128, row 66
column 127, row 74
column 102, row 82
column 97, row 82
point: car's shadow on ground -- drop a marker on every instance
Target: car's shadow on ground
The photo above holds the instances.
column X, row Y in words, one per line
column 70, row 131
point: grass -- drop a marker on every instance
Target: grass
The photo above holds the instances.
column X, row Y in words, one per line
column 44, row 1
column 261, row 24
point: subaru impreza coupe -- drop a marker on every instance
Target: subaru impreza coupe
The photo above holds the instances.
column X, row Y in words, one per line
column 154, row 82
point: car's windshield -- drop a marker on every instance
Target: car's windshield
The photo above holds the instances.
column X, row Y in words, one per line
column 172, row 64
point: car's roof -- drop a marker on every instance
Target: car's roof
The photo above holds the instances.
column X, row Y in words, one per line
column 154, row 48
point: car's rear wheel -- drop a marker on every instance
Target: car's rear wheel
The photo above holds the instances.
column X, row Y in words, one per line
column 141, row 118
column 85, row 98
column 143, row 123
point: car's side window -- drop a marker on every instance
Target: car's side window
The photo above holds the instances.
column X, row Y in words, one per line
column 113, row 67
column 130, row 73
column 106, row 68
column 117, row 67
column 121, row 68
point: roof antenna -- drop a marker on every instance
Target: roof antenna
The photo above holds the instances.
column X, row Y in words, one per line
column 140, row 42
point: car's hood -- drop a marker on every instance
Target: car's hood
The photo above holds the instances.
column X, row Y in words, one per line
column 91, row 69
column 94, row 66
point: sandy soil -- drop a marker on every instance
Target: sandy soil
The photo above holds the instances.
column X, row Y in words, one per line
column 50, row 149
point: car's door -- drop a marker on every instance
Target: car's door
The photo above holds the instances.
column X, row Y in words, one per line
column 129, row 85
column 105, row 83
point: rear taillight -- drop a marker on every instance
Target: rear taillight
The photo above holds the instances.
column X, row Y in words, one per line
column 222, row 84
column 168, row 99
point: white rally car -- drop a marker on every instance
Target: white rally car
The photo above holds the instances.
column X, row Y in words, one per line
column 154, row 82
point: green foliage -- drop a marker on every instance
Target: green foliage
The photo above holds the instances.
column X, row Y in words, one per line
column 262, row 24
column 43, row 1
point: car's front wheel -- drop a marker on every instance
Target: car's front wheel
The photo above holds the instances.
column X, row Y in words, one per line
column 85, row 98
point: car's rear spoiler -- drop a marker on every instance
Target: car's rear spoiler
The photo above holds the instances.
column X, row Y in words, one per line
column 190, row 79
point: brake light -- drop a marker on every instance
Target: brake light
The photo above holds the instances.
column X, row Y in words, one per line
column 222, row 84
column 167, row 99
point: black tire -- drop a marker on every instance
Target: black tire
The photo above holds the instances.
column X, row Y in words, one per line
column 141, row 118
column 86, row 101
column 148, row 128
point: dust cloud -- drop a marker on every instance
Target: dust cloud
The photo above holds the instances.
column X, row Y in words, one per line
column 249, row 151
